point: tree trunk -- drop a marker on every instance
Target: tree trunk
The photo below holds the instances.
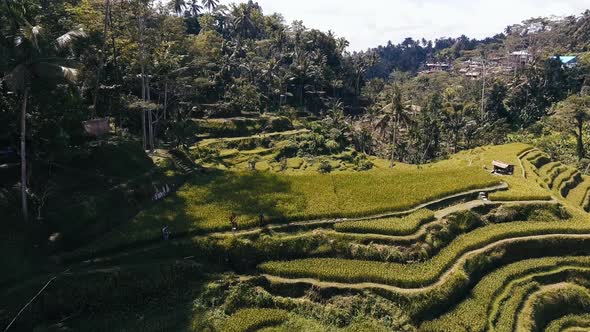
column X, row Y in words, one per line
column 114, row 46
column 393, row 144
column 142, row 62
column 580, row 140
column 101, row 56
column 23, row 156
column 165, row 97
column 150, row 117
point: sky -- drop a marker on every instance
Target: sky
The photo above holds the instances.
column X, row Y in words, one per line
column 369, row 23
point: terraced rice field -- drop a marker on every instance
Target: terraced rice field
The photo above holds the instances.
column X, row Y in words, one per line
column 380, row 247
column 562, row 180
column 517, row 275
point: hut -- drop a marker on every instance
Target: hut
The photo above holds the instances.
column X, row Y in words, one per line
column 97, row 127
column 502, row 168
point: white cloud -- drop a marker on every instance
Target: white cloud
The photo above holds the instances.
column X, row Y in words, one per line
column 370, row 23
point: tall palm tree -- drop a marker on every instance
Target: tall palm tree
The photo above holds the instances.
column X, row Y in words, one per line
column 242, row 20
column 395, row 115
column 454, row 109
column 211, row 5
column 35, row 59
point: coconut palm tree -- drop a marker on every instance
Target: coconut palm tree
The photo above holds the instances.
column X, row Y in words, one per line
column 243, row 23
column 35, row 59
column 395, row 115
column 575, row 113
column 211, row 5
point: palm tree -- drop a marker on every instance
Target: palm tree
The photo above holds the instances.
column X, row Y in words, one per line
column 179, row 6
column 454, row 109
column 35, row 59
column 396, row 114
column 342, row 44
column 195, row 8
column 211, row 5
column 575, row 112
column 243, row 23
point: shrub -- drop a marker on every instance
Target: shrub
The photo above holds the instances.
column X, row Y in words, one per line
column 290, row 150
column 206, row 155
column 324, row 167
column 280, row 124
column 362, row 163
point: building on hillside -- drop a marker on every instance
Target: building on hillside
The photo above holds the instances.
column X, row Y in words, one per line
column 569, row 61
column 520, row 59
column 436, row 67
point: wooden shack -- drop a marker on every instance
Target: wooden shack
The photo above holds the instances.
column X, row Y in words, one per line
column 97, row 127
column 502, row 167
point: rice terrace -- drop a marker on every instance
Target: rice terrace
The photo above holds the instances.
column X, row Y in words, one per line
column 210, row 166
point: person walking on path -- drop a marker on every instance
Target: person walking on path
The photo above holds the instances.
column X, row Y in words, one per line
column 261, row 220
column 165, row 233
column 233, row 220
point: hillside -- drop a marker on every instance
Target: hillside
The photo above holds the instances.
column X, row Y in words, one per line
column 323, row 244
column 205, row 166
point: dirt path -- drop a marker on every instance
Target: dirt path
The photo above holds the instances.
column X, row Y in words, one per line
column 277, row 227
column 406, row 238
column 319, row 222
column 441, row 214
column 459, row 264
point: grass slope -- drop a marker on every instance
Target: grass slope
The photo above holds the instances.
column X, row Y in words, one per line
column 388, row 226
column 248, row 320
column 206, row 201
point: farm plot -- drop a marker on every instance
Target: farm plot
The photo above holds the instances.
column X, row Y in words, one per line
column 417, row 274
column 475, row 265
column 205, row 203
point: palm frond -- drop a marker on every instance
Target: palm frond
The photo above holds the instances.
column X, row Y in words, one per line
column 70, row 74
column 55, row 72
column 29, row 33
column 179, row 6
column 66, row 39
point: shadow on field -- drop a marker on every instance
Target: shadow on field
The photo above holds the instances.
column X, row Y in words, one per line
column 149, row 297
column 254, row 193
